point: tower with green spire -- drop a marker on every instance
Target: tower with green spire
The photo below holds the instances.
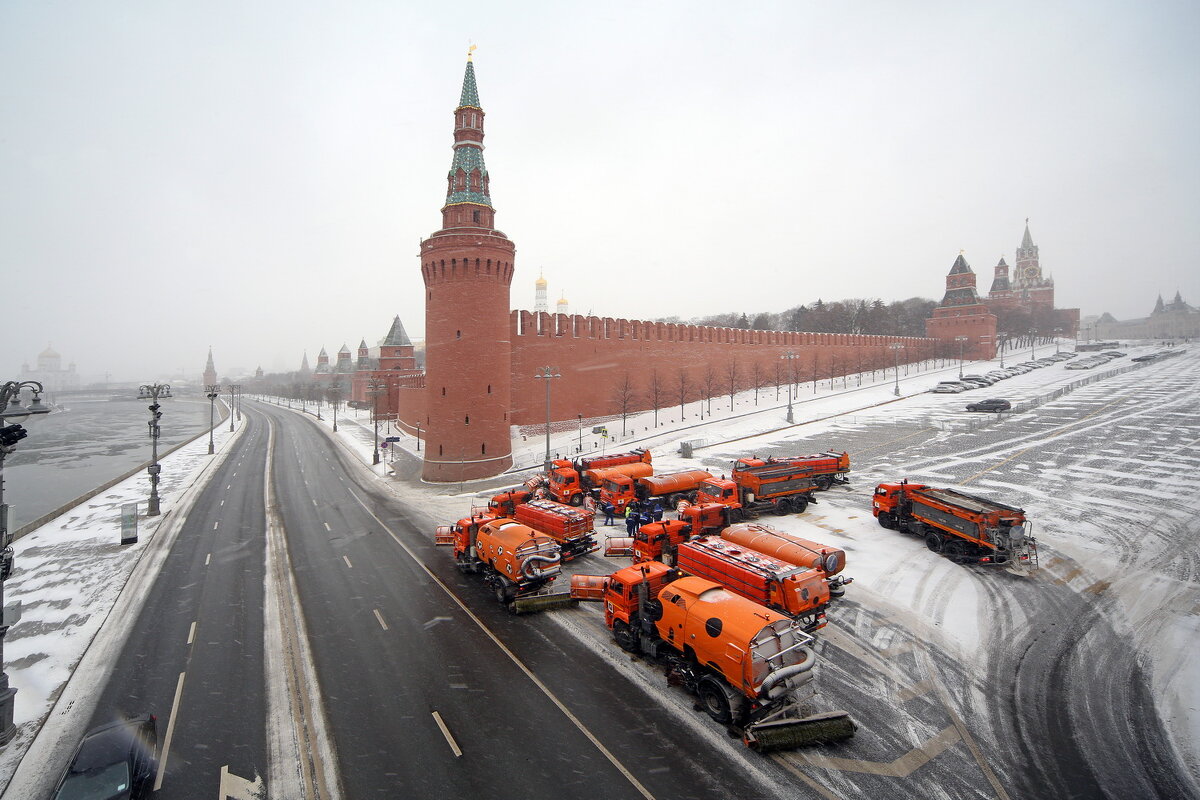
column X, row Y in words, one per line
column 467, row 267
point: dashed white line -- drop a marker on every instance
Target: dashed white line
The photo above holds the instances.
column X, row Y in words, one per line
column 192, row 634
column 379, row 617
column 166, row 748
column 446, row 732
column 222, row 502
column 207, row 559
column 215, row 524
column 347, row 560
column 327, row 527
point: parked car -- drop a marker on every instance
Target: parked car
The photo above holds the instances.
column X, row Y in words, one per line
column 116, row 761
column 945, row 388
column 977, row 379
column 991, row 404
column 1115, row 354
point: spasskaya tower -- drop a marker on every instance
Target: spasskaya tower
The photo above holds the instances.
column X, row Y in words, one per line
column 467, row 267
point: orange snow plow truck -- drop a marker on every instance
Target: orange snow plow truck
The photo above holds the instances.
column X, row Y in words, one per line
column 964, row 527
column 569, row 481
column 573, row 528
column 517, row 562
column 746, row 663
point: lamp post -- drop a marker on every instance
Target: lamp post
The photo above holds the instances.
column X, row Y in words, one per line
column 213, row 390
column 11, row 412
column 580, row 432
column 418, row 437
column 790, row 357
column 1057, row 343
column 547, row 374
column 375, row 388
column 152, row 392
column 895, row 347
column 234, row 388
column 335, row 394
column 1003, row 338
column 960, row 340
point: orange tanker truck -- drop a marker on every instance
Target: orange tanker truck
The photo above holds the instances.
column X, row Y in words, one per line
column 745, row 662
column 621, row 490
column 963, row 527
column 569, row 481
column 825, row 469
column 517, row 562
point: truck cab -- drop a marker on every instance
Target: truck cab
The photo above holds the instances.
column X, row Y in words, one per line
column 564, row 485
column 718, row 490
column 618, row 490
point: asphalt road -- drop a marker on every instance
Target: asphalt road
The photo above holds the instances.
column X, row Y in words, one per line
column 195, row 655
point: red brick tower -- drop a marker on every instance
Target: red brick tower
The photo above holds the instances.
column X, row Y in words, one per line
column 467, row 267
column 963, row 314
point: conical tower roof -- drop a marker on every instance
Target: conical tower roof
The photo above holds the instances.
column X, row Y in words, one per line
column 396, row 337
column 960, row 266
column 1026, row 240
column 470, row 92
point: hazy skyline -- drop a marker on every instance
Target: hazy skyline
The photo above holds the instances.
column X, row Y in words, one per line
column 257, row 177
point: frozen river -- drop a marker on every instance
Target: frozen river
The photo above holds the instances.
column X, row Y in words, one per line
column 90, row 439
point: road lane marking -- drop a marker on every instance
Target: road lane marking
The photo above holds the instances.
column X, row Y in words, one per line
column 379, row 617
column 347, row 560
column 566, row 712
column 166, row 748
column 446, row 732
column 327, row 527
column 239, row 788
column 207, row 559
column 215, row 524
column 222, row 502
column 192, row 634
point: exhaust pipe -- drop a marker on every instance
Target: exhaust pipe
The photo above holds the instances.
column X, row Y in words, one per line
column 531, row 562
column 778, row 677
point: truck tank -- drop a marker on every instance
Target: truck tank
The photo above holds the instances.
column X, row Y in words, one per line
column 785, row 547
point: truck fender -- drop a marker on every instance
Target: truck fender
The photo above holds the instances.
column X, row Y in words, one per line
column 778, row 678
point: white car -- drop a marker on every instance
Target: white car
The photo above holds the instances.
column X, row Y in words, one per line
column 945, row 388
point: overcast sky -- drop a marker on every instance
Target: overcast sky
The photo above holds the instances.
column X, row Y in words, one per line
column 258, row 176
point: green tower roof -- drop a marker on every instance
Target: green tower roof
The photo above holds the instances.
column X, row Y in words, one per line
column 470, row 94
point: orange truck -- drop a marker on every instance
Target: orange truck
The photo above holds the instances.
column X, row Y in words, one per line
column 745, row 662
column 964, row 527
column 517, row 562
column 825, row 469
column 780, row 488
column 793, row 549
column 569, row 481
column 797, row 591
column 670, row 488
column 573, row 528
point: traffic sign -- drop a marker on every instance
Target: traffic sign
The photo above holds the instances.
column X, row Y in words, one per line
column 392, row 439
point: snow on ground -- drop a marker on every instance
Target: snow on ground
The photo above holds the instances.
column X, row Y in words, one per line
column 70, row 571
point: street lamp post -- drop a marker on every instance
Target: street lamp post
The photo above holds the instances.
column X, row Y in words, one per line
column 335, row 395
column 375, row 388
column 1057, row 343
column 152, row 392
column 790, row 357
column 895, row 347
column 961, row 340
column 1003, row 339
column 546, row 374
column 213, row 390
column 580, row 432
column 11, row 412
column 234, row 388
column 418, row 437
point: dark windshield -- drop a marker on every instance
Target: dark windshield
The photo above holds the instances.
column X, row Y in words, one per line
column 102, row 783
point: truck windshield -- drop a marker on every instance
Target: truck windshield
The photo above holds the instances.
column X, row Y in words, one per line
column 612, row 487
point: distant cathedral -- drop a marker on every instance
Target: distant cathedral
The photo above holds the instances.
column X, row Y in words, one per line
column 1173, row 320
column 50, row 374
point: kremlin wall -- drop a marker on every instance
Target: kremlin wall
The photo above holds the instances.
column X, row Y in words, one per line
column 480, row 377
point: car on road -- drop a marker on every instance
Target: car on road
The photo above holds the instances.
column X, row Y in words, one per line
column 116, row 761
column 977, row 379
column 947, row 388
column 991, row 404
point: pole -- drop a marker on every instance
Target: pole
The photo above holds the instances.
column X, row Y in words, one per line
column 581, row 432
column 547, row 463
column 211, row 423
column 8, row 728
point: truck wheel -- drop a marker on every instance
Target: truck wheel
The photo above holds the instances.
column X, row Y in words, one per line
column 887, row 520
column 824, row 482
column 625, row 636
column 783, row 507
column 715, row 701
column 800, row 504
column 934, row 541
column 504, row 594
column 576, row 500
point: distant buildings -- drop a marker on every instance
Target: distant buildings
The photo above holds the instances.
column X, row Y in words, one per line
column 1174, row 320
column 50, row 373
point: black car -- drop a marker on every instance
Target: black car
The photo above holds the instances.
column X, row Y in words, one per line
column 116, row 761
column 993, row 404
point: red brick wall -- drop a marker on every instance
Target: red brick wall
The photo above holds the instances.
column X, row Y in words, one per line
column 594, row 354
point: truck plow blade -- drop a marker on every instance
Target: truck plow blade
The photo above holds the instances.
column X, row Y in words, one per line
column 542, row 602
column 787, row 734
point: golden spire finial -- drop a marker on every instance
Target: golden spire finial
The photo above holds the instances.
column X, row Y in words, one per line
column 470, row 50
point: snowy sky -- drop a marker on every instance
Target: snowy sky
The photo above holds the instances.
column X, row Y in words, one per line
column 257, row 176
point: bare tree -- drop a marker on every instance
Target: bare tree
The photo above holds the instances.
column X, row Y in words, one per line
column 732, row 376
column 710, row 385
column 683, row 389
column 625, row 397
column 655, row 391
column 816, row 372
column 758, row 376
column 778, row 376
